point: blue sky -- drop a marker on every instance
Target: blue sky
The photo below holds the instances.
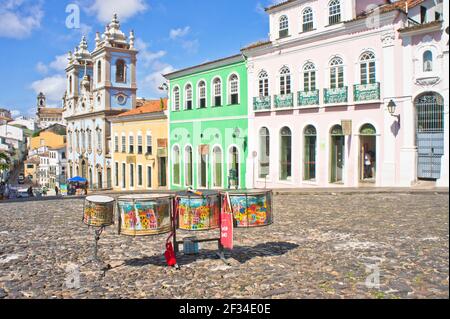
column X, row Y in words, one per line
column 172, row 34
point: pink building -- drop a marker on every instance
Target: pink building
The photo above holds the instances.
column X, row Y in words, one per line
column 351, row 93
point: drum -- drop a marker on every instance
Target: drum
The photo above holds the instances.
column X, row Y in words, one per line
column 98, row 211
column 145, row 215
column 251, row 208
column 198, row 212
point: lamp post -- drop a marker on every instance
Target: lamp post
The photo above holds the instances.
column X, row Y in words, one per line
column 391, row 109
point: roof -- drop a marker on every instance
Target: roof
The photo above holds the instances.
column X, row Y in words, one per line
column 50, row 110
column 150, row 106
column 279, row 5
column 205, row 66
column 256, row 45
column 421, row 26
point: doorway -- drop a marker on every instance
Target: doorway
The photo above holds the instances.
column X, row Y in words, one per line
column 162, row 176
column 337, row 155
column 367, row 154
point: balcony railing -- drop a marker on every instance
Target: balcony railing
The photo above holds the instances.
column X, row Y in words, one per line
column 305, row 98
column 261, row 103
column 366, row 92
column 336, row 95
column 284, row 101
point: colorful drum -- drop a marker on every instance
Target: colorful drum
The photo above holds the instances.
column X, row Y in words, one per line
column 198, row 212
column 145, row 215
column 251, row 208
column 98, row 211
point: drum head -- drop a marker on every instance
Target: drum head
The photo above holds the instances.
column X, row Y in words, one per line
column 204, row 193
column 144, row 197
column 99, row 199
column 247, row 192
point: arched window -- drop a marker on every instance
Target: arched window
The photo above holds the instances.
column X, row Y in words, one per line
column 284, row 26
column 188, row 166
column 336, row 73
column 427, row 61
column 89, row 137
column 308, row 20
column 217, row 92
column 99, row 139
column 176, row 165
column 99, row 71
column 188, row 97
column 264, row 152
column 202, row 94
column 217, row 167
column 334, row 12
column 285, row 81
column 367, row 67
column 176, row 98
column 233, row 84
column 309, row 77
column 83, row 140
column 203, row 151
column 285, row 154
column 309, row 157
column 263, row 83
column 70, row 84
column 337, row 154
column 120, row 71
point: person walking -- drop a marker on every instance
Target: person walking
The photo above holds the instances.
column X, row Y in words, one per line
column 56, row 190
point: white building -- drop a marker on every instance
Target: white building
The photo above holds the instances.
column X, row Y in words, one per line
column 48, row 116
column 100, row 85
column 29, row 123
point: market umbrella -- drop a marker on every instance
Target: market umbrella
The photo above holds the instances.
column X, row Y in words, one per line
column 77, row 179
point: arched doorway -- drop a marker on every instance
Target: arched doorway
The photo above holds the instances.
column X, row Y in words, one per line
column 367, row 153
column 337, row 151
column 429, row 135
column 99, row 179
column 234, row 171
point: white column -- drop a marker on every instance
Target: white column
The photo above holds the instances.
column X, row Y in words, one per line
column 388, row 173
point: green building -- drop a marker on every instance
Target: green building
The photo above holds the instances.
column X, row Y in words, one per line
column 208, row 125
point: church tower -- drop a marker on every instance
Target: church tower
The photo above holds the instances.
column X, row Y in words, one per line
column 114, row 66
column 40, row 101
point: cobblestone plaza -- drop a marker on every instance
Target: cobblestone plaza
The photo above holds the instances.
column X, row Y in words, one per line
column 328, row 245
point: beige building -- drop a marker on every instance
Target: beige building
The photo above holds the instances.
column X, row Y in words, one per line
column 139, row 140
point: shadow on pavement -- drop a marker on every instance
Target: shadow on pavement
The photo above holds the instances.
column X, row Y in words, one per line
column 242, row 254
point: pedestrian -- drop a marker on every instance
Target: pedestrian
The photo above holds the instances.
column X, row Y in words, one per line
column 367, row 165
column 30, row 191
column 56, row 191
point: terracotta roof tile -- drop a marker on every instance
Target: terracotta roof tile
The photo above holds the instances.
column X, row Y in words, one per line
column 150, row 106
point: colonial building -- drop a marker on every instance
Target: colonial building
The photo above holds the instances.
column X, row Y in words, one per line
column 5, row 116
column 100, row 85
column 349, row 93
column 46, row 164
column 47, row 116
column 140, row 147
column 208, row 125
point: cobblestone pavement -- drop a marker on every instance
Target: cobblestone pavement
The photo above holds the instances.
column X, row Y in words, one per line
column 321, row 246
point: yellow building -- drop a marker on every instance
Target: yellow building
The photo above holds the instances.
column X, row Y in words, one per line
column 139, row 140
column 53, row 137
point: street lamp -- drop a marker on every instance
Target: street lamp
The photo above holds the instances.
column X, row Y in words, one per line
column 391, row 109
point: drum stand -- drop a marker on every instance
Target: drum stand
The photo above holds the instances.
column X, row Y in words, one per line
column 95, row 259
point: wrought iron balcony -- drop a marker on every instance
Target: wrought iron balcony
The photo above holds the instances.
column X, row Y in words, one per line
column 366, row 92
column 336, row 95
column 305, row 98
column 262, row 103
column 284, row 101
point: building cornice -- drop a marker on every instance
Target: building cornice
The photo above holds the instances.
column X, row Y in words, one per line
column 104, row 113
column 140, row 117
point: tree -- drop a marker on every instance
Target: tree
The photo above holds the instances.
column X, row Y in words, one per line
column 4, row 162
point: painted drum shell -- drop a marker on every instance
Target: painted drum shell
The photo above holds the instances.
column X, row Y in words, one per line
column 198, row 212
column 98, row 211
column 251, row 208
column 145, row 215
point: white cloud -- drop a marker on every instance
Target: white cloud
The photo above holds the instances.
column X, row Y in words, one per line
column 145, row 55
column 41, row 68
column 191, row 46
column 18, row 18
column 60, row 63
column 154, row 80
column 15, row 113
column 53, row 87
column 179, row 33
column 104, row 9
column 260, row 8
